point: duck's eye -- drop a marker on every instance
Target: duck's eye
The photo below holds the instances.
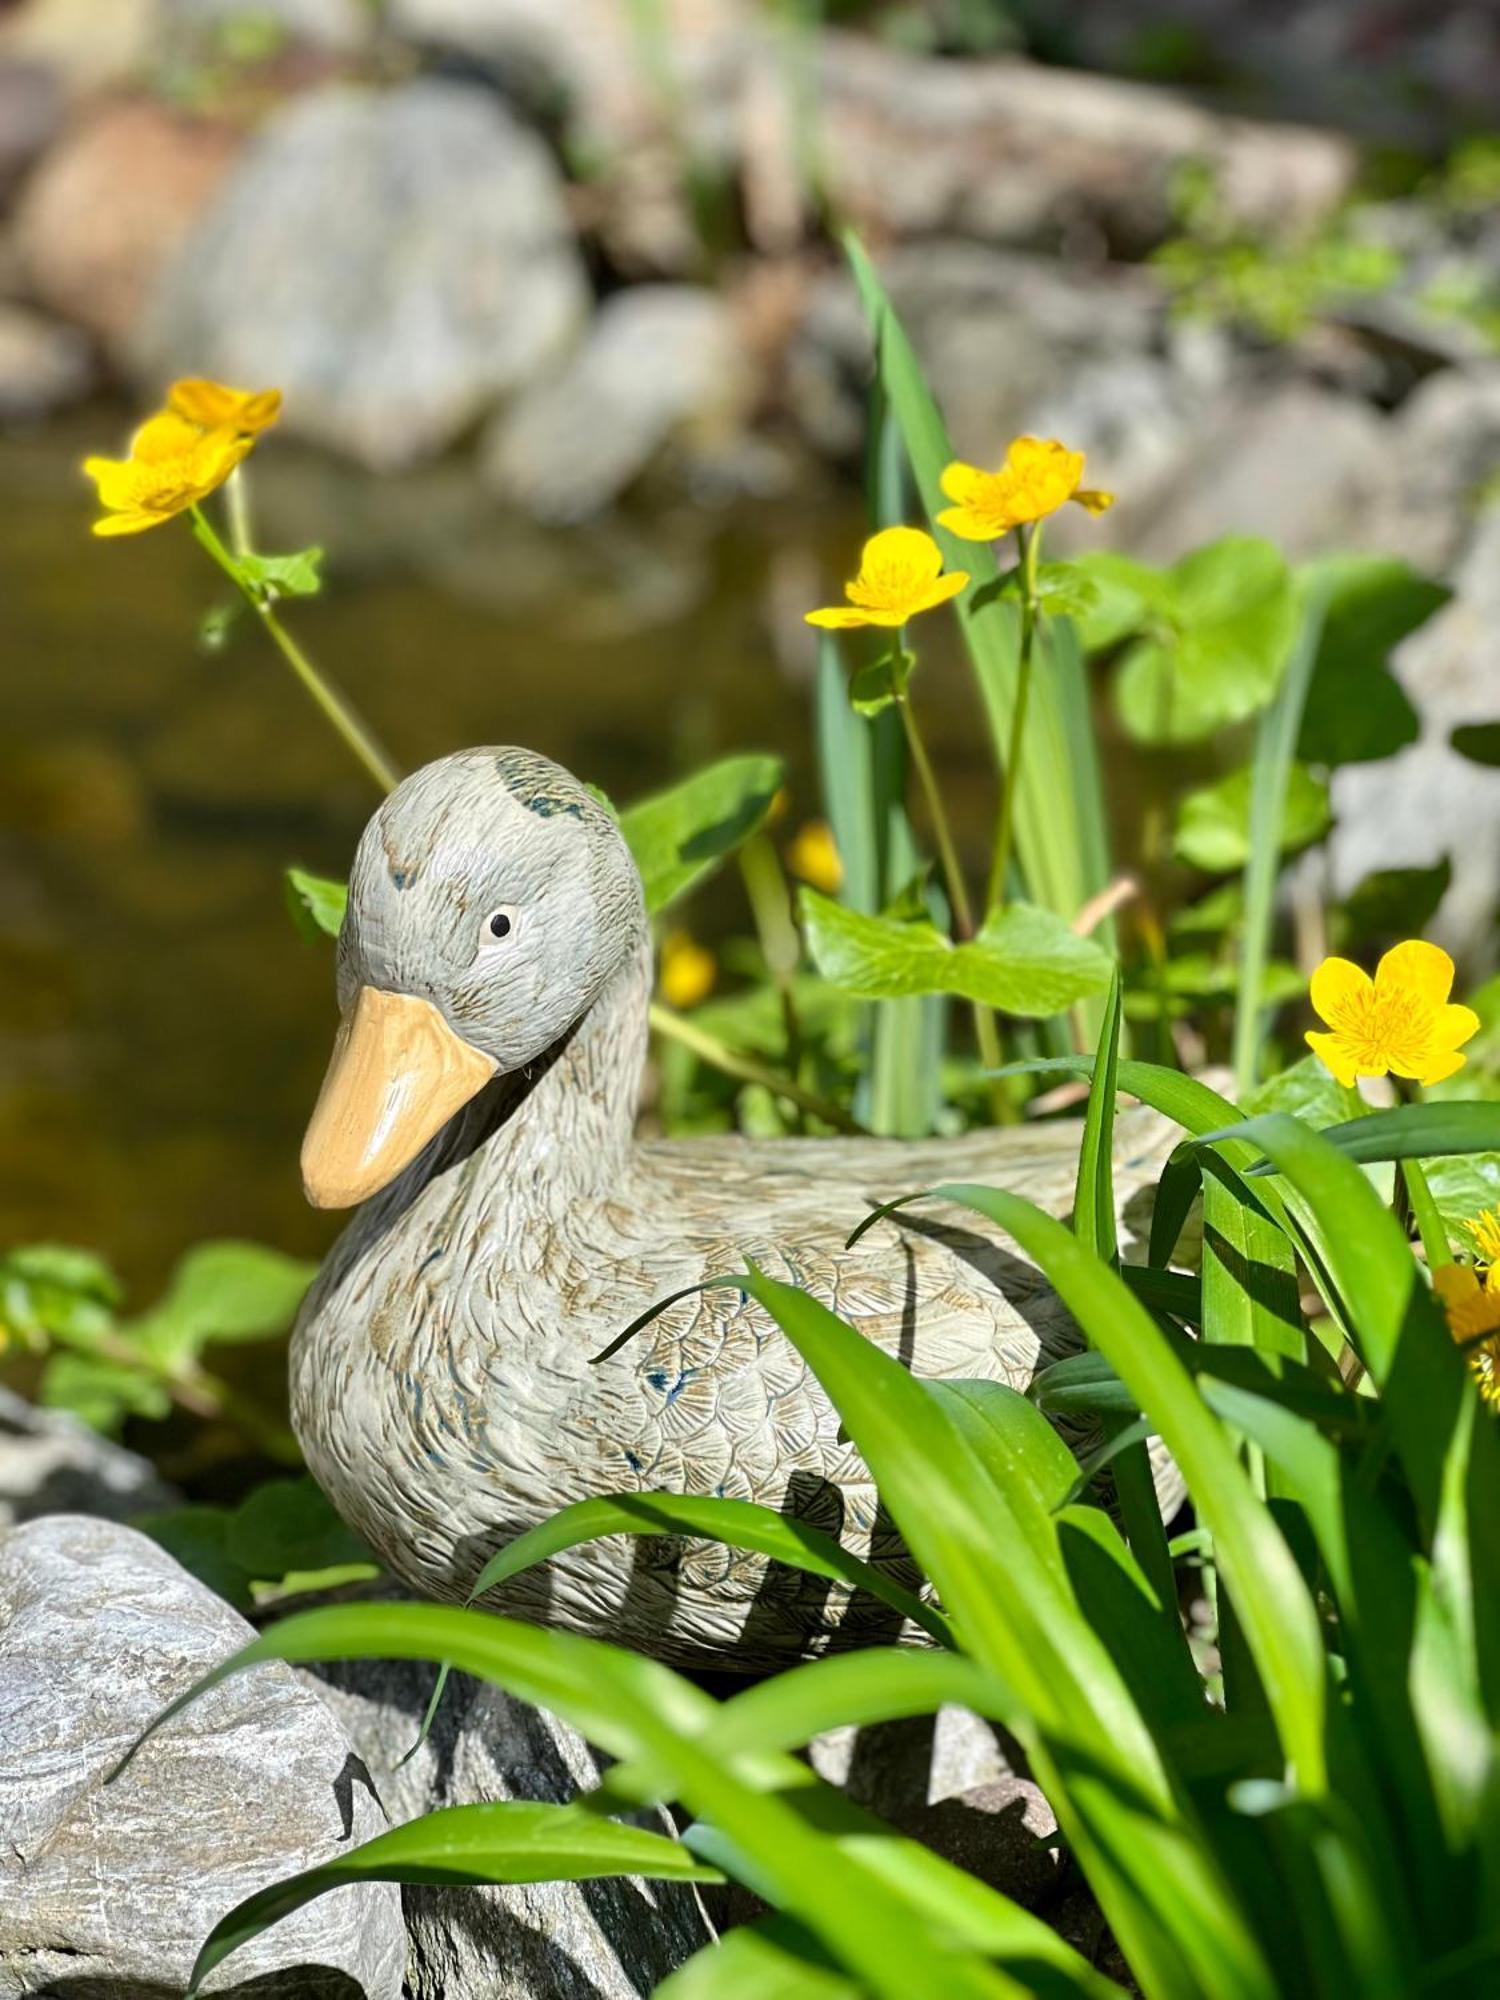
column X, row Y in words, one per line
column 499, row 924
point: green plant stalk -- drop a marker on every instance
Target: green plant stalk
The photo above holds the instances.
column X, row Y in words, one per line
column 781, row 947
column 1275, row 748
column 986, row 1033
column 202, row 1394
column 1030, row 547
column 330, row 702
column 711, row 1050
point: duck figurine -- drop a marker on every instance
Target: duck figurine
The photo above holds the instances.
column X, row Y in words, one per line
column 494, row 975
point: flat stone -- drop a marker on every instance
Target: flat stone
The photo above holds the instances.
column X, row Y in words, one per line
column 661, row 363
column 605, row 1940
column 396, row 261
column 50, row 1463
column 109, row 1890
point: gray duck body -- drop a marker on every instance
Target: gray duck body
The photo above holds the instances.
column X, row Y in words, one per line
column 443, row 1382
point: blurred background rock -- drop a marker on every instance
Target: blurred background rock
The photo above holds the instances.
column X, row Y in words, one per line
column 575, row 398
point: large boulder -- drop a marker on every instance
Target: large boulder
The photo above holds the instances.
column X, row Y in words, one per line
column 605, row 1940
column 44, row 366
column 108, row 1890
column 662, row 363
column 395, row 261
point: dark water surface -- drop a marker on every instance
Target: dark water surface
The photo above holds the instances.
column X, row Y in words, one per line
column 162, row 1026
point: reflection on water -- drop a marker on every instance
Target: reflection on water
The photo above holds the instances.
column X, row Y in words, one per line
column 162, row 1026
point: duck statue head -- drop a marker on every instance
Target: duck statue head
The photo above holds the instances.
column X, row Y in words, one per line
column 491, row 901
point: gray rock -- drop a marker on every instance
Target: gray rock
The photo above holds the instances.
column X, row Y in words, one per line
column 1445, row 440
column 1001, row 337
column 662, row 362
column 44, row 366
column 342, row 25
column 1298, row 464
column 50, row 1463
column 31, row 115
column 1011, row 152
column 1428, row 801
column 108, row 1891
column 606, row 1940
column 396, row 261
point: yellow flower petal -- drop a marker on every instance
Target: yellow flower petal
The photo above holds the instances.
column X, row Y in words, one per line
column 900, row 574
column 215, row 406
column 1094, row 499
column 164, row 436
column 1332, row 1051
column 1417, row 967
column 963, row 483
column 1438, row 1065
column 1337, row 986
column 970, row 525
column 1454, row 1026
column 945, row 588
column 128, row 524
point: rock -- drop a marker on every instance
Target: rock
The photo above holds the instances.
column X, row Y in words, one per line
column 1445, row 439
column 605, row 1940
column 1010, row 152
column 662, row 362
column 949, row 1781
column 1000, row 336
column 1298, row 464
column 102, row 216
column 44, row 366
column 87, row 46
column 31, row 113
column 342, row 25
column 50, row 1463
column 1428, row 801
column 109, row 1890
column 397, row 262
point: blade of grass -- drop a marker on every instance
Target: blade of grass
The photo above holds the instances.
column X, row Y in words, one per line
column 507, row 1841
column 1275, row 750
column 736, row 1524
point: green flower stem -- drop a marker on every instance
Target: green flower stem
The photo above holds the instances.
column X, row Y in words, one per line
column 1030, row 547
column 202, row 1394
column 711, row 1050
column 986, row 1032
column 335, row 708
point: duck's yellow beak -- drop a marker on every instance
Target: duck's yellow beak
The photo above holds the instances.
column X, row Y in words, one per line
column 397, row 1075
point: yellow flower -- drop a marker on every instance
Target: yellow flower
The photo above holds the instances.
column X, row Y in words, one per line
column 1473, row 1312
column 1039, row 476
column 900, row 574
column 173, row 464
column 687, row 970
column 813, row 856
column 214, row 406
column 1485, row 1230
column 1399, row 1021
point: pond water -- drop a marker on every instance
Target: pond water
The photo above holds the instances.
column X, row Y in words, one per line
column 162, row 1026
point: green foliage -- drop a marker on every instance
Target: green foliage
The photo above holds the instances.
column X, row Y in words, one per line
column 270, row 577
column 1213, row 825
column 1205, row 641
column 1025, row 960
column 679, row 835
column 64, row 1304
column 316, row 904
column 1345, row 1514
column 1356, row 710
column 284, row 1537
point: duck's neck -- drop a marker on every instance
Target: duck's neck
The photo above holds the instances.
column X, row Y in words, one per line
column 564, row 1127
